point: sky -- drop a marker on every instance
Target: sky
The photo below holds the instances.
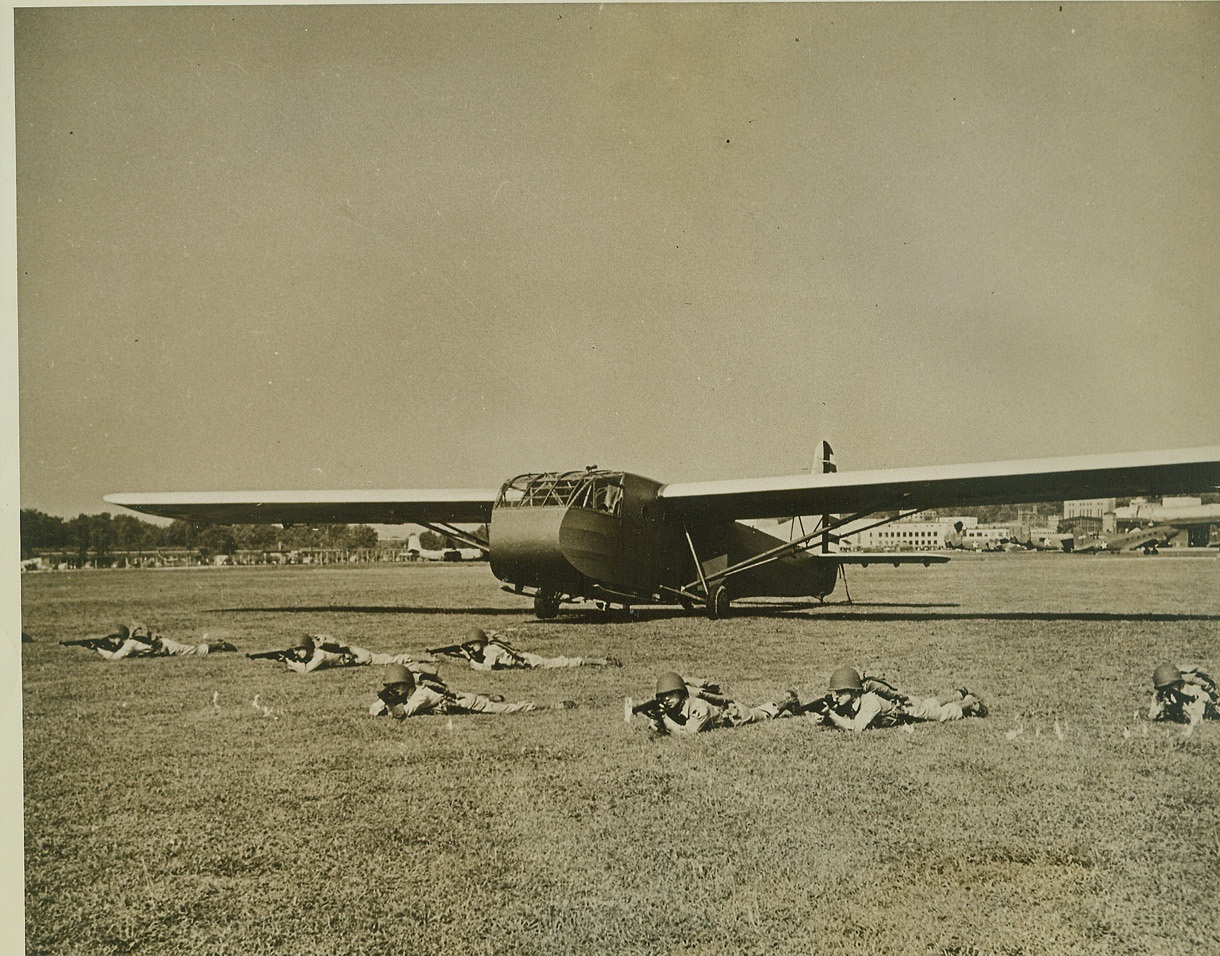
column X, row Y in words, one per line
column 359, row 247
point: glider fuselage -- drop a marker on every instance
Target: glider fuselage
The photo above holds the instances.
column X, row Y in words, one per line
column 605, row 535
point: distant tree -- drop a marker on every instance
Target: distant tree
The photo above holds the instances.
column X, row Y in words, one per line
column 131, row 534
column 40, row 530
column 256, row 537
column 215, row 539
column 431, row 541
column 179, row 534
column 362, row 536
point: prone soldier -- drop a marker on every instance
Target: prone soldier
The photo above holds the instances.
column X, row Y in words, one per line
column 409, row 693
column 855, row 703
column 487, row 652
column 1183, row 695
column 313, row 652
column 138, row 640
column 685, row 708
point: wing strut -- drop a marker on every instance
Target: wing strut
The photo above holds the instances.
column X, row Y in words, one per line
column 784, row 550
column 448, row 531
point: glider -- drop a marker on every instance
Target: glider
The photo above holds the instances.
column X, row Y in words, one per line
column 622, row 539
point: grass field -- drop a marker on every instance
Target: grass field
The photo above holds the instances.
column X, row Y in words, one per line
column 157, row 821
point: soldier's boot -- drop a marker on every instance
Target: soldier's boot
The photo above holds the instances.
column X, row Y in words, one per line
column 791, row 704
column 973, row 707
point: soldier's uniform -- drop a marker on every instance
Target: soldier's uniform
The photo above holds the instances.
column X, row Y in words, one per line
column 701, row 708
column 311, row 653
column 133, row 640
column 414, row 693
column 490, row 653
column 1183, row 695
column 138, row 640
column 164, row 646
column 869, row 703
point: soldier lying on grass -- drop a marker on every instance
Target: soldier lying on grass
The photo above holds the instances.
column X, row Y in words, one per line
column 683, row 708
column 487, row 652
column 408, row 693
column 859, row 704
column 1183, row 695
column 138, row 640
column 314, row 652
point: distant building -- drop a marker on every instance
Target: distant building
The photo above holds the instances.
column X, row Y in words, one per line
column 911, row 535
column 1088, row 507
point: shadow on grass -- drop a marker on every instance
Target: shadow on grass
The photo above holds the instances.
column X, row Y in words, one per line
column 368, row 609
column 870, row 612
column 918, row 615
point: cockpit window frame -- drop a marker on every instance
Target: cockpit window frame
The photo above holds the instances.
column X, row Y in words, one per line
column 592, row 490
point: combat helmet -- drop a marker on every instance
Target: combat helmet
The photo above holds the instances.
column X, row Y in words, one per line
column 1165, row 675
column 305, row 642
column 846, row 678
column 398, row 674
column 669, row 683
column 476, row 635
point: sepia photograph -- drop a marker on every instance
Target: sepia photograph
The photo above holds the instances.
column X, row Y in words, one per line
column 645, row 478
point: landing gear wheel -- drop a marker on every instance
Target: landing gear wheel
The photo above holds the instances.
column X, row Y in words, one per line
column 546, row 605
column 718, row 603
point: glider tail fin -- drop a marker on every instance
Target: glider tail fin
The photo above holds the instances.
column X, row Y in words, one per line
column 826, row 460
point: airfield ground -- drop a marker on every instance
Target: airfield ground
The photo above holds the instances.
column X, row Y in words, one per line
column 160, row 821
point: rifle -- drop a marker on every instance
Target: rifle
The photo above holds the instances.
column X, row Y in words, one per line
column 269, row 655
column 451, row 650
column 650, row 708
column 820, row 707
column 110, row 643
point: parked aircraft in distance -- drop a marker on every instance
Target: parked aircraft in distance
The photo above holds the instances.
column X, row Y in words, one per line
column 1191, row 516
column 622, row 539
column 1041, row 539
column 1148, row 540
column 417, row 552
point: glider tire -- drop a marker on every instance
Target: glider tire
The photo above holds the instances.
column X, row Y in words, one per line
column 718, row 603
column 546, row 605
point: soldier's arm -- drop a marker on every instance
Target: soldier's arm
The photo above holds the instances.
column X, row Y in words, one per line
column 869, row 708
column 316, row 660
column 1195, row 708
column 1156, row 710
column 126, row 649
column 421, row 701
column 698, row 719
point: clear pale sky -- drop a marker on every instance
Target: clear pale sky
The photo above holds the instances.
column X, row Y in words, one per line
column 435, row 246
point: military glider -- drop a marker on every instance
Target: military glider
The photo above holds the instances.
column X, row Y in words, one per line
column 622, row 539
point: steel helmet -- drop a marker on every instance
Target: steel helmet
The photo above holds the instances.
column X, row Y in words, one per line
column 304, row 641
column 398, row 674
column 846, row 678
column 122, row 631
column 668, row 683
column 1165, row 674
column 476, row 635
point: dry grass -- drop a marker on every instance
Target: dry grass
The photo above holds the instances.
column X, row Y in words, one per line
column 157, row 822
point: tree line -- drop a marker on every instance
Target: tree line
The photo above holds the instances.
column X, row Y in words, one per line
column 97, row 537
